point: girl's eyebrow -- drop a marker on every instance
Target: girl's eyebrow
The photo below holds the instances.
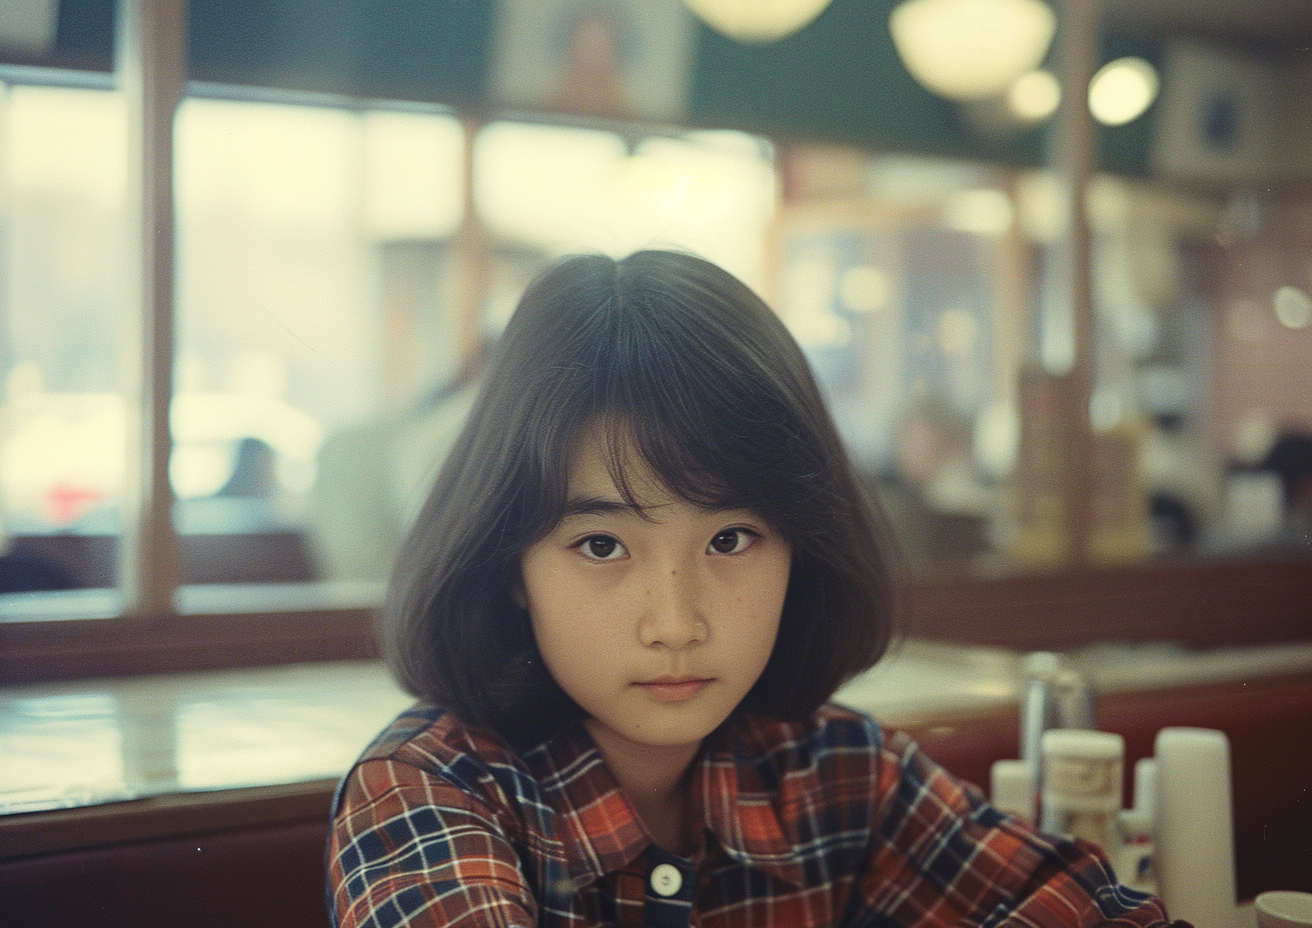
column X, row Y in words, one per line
column 600, row 506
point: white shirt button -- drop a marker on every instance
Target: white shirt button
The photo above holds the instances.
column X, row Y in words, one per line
column 666, row 879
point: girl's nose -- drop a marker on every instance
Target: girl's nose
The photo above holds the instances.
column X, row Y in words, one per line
column 672, row 616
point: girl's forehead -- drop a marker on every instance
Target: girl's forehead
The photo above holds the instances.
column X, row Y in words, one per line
column 605, row 460
column 608, row 457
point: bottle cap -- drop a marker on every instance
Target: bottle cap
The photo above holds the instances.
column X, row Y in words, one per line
column 1145, row 786
column 1012, row 788
column 1072, row 742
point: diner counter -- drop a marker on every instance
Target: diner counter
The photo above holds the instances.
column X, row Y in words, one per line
column 86, row 743
column 202, row 799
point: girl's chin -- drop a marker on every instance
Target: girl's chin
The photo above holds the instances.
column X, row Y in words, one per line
column 669, row 733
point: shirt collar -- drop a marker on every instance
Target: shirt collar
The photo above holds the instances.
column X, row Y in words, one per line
column 741, row 801
column 602, row 830
column 738, row 806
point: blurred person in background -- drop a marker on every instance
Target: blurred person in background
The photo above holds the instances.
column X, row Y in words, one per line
column 1290, row 459
column 372, row 478
column 939, row 507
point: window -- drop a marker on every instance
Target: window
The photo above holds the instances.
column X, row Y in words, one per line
column 333, row 292
column 302, row 232
column 342, row 261
column 63, row 246
column 931, row 299
column 311, row 243
column 555, row 189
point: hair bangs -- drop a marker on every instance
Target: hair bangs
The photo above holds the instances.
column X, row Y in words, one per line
column 690, row 470
column 695, row 408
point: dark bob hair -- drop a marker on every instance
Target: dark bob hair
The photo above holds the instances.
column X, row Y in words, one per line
column 686, row 363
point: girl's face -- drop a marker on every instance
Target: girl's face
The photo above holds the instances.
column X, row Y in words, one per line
column 656, row 622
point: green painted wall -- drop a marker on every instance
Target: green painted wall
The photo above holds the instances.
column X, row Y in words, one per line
column 839, row 79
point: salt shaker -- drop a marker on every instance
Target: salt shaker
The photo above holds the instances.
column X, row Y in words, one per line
column 1056, row 696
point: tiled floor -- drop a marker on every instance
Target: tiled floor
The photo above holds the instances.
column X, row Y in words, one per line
column 100, row 741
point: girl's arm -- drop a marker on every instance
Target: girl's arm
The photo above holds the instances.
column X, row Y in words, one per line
column 408, row 847
column 943, row 856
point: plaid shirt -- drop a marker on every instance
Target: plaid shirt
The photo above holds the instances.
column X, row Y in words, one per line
column 822, row 822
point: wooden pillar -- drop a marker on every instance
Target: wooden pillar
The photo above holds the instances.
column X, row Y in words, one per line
column 150, row 69
column 1077, row 159
column 473, row 267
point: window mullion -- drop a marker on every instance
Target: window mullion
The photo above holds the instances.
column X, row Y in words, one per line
column 1077, row 159
column 151, row 70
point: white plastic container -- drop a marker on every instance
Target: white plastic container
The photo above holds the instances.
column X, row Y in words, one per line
column 1011, row 788
column 1081, row 794
column 1195, row 826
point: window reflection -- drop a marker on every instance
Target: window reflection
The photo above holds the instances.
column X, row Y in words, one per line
column 555, row 189
column 931, row 300
column 60, row 749
column 335, row 292
column 63, row 292
column 129, row 738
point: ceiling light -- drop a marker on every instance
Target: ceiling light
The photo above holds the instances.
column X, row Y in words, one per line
column 1034, row 96
column 1122, row 90
column 757, row 20
column 1293, row 307
column 968, row 50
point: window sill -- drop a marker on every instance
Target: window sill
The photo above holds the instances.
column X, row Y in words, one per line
column 81, row 635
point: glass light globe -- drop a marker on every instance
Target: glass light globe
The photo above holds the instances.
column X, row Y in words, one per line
column 757, row 20
column 969, row 50
column 1034, row 96
column 1122, row 90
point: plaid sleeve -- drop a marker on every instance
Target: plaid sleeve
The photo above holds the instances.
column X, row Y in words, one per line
column 409, row 848
column 943, row 856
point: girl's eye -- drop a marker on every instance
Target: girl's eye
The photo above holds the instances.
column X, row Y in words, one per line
column 602, row 548
column 731, row 541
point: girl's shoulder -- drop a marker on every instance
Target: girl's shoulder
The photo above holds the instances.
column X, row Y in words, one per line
column 832, row 760
column 831, row 728
column 436, row 742
column 833, row 748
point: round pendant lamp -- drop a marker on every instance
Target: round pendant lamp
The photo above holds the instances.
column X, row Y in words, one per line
column 757, row 20
column 971, row 50
column 1122, row 90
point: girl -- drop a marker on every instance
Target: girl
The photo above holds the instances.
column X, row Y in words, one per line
column 644, row 569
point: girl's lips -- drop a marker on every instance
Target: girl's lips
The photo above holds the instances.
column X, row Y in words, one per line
column 672, row 690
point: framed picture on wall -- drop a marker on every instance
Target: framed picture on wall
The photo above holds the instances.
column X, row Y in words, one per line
column 615, row 58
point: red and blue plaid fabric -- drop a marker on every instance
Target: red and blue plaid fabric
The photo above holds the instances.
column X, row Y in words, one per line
column 823, row 822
